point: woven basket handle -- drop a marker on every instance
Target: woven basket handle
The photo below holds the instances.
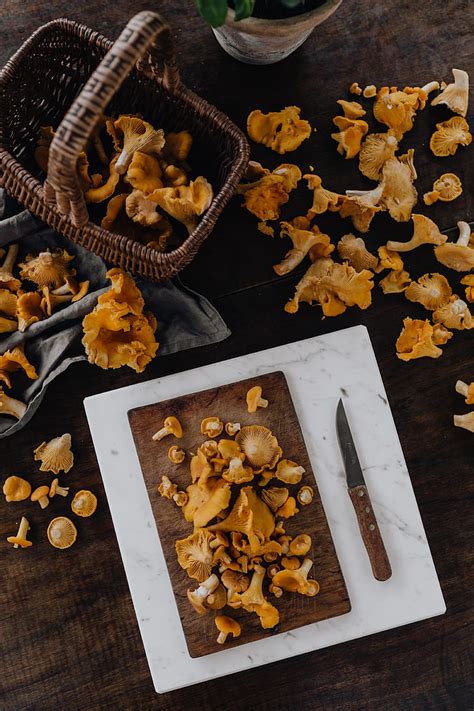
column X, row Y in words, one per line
column 61, row 188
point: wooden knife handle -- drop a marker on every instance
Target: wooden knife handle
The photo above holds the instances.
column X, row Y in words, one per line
column 370, row 532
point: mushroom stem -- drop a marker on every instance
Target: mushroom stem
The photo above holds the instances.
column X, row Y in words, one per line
column 10, row 406
column 462, row 388
column 23, row 529
column 9, row 263
column 160, row 434
column 464, row 234
column 43, row 501
column 431, row 86
column 222, row 637
column 64, row 289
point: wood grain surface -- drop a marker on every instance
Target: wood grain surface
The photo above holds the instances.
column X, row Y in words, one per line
column 228, row 403
column 68, row 632
column 370, row 532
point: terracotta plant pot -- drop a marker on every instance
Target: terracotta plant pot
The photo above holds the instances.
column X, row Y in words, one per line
column 258, row 41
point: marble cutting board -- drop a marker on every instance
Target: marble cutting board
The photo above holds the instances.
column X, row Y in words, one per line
column 318, row 370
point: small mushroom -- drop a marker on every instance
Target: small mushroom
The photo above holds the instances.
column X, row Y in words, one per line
column 294, row 580
column 142, row 210
column 449, row 135
column 254, row 399
column 305, row 495
column 185, row 203
column 351, row 133
column 16, row 489
column 47, row 268
column 467, row 391
column 50, row 300
column 134, row 134
column 454, row 314
column 7, row 280
column 275, row 590
column 209, row 448
column 355, row 89
column 211, row 426
column 353, row 250
column 198, row 597
column 288, row 509
column 176, row 455
column 290, row 563
column 235, row 582
column 273, row 569
column 195, row 554
column 171, row 426
column 61, row 532
column 232, row 428
column 456, row 95
column 431, row 290
column 289, row 472
column 41, row 496
column 167, row 489
column 226, row 626
column 300, row 545
column 284, row 541
column 180, row 498
column 144, row 173
column 416, row 340
column 389, row 259
column 10, row 406
column 312, row 588
column 84, row 503
column 376, row 150
column 29, row 309
column 446, row 188
column 260, row 447
column 217, row 599
column 351, row 109
column 369, row 91
column 457, row 255
column 57, row 490
column 20, row 540
column 275, row 497
column 425, row 231
column 282, row 131
column 237, row 473
column 55, row 455
column 396, row 282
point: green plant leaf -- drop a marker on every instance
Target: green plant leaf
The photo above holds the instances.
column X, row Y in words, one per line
column 213, row 11
column 243, row 9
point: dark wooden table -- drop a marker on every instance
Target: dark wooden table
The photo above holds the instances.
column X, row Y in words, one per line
column 68, row 633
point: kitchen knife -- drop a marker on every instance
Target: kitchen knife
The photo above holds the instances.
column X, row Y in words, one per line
column 360, row 498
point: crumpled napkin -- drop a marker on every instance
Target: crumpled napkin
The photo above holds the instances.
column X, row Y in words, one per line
column 185, row 319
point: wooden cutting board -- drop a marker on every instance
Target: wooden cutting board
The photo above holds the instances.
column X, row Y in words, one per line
column 228, row 402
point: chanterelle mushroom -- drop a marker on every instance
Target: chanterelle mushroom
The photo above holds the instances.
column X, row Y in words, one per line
column 249, row 515
column 454, row 314
column 351, row 109
column 351, row 133
column 457, row 255
column 176, row 455
column 260, row 446
column 352, row 249
column 395, row 282
column 226, row 626
column 416, row 340
column 144, row 173
column 61, row 532
column 275, row 496
column 456, row 95
column 303, row 242
column 254, row 399
column 282, row 131
column 467, row 391
column 195, row 554
column 211, row 426
column 57, row 490
column 10, row 406
column 431, row 290
column 171, row 426
column 16, row 489
column 29, row 309
column 135, row 135
column 323, row 199
column 20, row 540
column 446, row 188
column 449, row 135
column 14, row 360
column 376, row 150
column 425, row 231
column 55, row 455
column 300, row 545
column 294, row 580
column 198, row 597
column 47, row 269
column 289, row 472
column 41, row 496
column 142, row 210
column 253, row 600
column 186, row 202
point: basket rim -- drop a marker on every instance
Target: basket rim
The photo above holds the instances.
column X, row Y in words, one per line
column 182, row 93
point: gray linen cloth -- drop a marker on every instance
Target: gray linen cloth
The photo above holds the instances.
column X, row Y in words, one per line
column 185, row 319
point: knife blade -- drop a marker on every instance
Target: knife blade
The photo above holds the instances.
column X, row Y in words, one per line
column 360, row 498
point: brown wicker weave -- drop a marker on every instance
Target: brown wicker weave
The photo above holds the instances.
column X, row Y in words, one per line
column 69, row 75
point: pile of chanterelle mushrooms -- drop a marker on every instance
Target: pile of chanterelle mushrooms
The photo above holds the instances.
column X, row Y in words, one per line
column 239, row 553
column 334, row 285
column 142, row 177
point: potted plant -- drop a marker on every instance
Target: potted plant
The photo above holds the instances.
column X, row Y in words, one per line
column 264, row 31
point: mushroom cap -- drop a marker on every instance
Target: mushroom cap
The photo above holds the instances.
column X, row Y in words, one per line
column 395, row 282
column 175, row 454
column 289, row 580
column 456, row 94
column 399, row 194
column 389, row 259
column 16, row 489
column 288, row 509
column 396, row 109
column 55, row 455
column 275, row 496
column 14, row 360
column 260, row 446
column 448, row 186
column 282, row 131
column 351, row 133
column 141, row 209
column 61, row 532
column 39, row 493
column 425, row 231
column 455, row 256
column 264, row 197
column 252, row 397
column 195, row 554
column 29, row 309
column 235, row 581
column 353, row 250
column 305, row 495
column 312, row 588
column 178, row 145
column 22, row 542
column 144, row 173
column 431, row 290
column 186, row 202
column 322, row 199
column 209, row 448
column 228, row 625
column 237, row 473
column 416, row 340
column 300, row 545
column 84, row 503
column 289, row 472
column 173, row 424
column 351, row 109
column 229, row 449
column 217, row 599
column 454, row 314
column 8, row 303
column 47, row 268
column 376, row 150
column 134, row 134
column 211, row 426
column 449, row 135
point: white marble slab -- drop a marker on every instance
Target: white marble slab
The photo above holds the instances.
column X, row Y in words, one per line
column 318, row 371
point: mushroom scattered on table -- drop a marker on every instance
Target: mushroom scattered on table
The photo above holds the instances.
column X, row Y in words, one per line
column 55, row 455
column 16, row 489
column 84, row 503
column 61, row 532
column 226, row 626
column 20, row 540
column 41, row 496
column 171, row 426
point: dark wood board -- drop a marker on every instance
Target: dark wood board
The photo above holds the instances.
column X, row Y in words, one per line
column 228, row 402
column 68, row 615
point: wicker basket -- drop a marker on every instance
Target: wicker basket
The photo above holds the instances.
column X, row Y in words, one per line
column 69, row 75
